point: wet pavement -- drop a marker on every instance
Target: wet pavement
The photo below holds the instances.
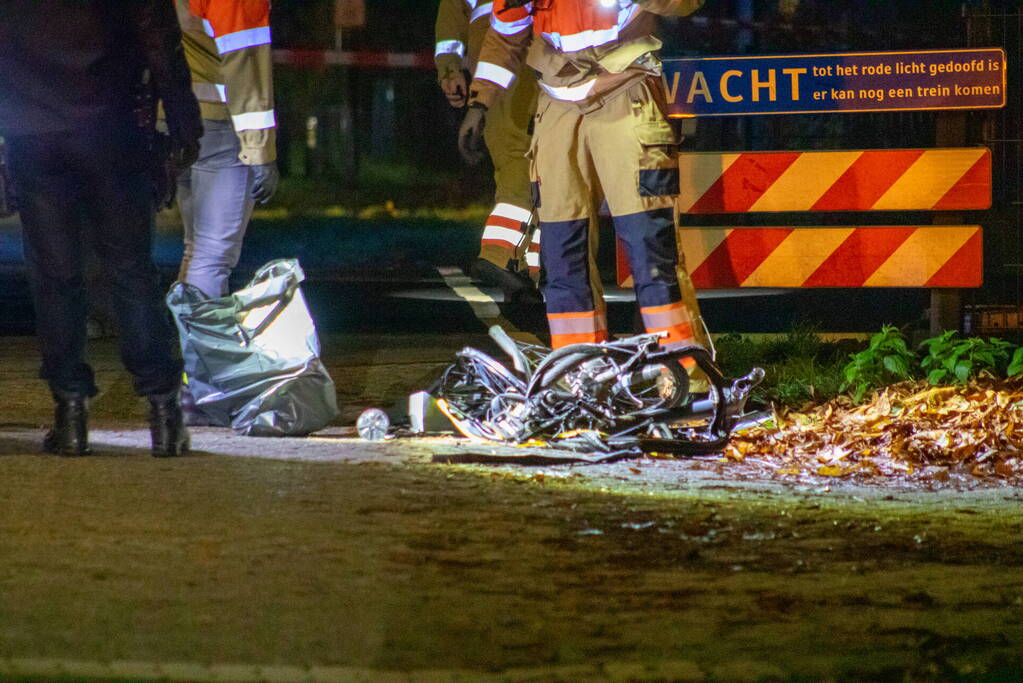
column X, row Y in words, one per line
column 381, row 276
column 333, row 558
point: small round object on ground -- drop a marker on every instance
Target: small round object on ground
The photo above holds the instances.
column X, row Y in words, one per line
column 372, row 425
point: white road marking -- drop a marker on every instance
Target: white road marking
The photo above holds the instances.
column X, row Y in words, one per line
column 482, row 304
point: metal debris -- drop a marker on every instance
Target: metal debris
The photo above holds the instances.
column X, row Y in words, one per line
column 618, row 398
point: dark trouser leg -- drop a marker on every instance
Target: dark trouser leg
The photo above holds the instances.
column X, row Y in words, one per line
column 650, row 239
column 573, row 314
column 123, row 237
column 51, row 195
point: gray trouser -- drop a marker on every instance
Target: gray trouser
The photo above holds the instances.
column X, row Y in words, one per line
column 215, row 200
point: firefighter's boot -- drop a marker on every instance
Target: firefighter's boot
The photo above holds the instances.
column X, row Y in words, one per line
column 517, row 286
column 167, row 426
column 69, row 435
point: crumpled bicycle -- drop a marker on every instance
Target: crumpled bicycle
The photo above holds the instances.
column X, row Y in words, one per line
column 618, row 398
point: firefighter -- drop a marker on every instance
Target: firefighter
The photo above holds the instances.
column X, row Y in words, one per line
column 600, row 133
column 507, row 249
column 76, row 115
column 227, row 45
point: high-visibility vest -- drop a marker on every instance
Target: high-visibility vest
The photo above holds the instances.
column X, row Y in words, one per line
column 227, row 45
column 584, row 50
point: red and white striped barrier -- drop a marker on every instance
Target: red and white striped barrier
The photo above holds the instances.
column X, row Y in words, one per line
column 929, row 256
column 318, row 59
column 855, row 180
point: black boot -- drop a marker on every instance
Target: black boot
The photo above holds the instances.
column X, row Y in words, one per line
column 516, row 286
column 70, row 433
column 167, row 426
column 193, row 415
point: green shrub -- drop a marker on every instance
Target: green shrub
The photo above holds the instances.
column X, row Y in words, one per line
column 799, row 366
column 951, row 360
column 886, row 359
column 799, row 380
column 1016, row 364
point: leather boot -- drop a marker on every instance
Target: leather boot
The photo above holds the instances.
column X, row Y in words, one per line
column 167, row 426
column 516, row 286
column 194, row 417
column 69, row 435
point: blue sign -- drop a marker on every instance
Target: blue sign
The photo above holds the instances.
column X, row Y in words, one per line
column 832, row 83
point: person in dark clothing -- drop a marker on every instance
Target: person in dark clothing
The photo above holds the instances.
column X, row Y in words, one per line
column 81, row 153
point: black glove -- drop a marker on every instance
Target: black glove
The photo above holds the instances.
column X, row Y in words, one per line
column 183, row 156
column 264, row 182
column 470, row 134
column 170, row 159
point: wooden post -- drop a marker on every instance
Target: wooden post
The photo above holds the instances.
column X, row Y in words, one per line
column 946, row 311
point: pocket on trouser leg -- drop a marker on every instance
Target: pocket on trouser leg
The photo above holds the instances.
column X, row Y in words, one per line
column 658, row 166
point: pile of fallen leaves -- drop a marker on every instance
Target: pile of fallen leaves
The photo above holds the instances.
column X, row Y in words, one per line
column 905, row 429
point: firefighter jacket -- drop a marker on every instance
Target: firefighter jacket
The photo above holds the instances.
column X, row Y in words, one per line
column 585, row 52
column 67, row 64
column 227, row 44
column 460, row 30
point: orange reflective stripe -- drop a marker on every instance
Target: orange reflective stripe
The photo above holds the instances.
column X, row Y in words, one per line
column 662, row 309
column 573, row 18
column 587, row 325
column 559, row 340
column 231, row 16
column 677, row 335
column 510, row 14
column 665, row 317
column 571, row 316
column 577, row 328
column 504, row 222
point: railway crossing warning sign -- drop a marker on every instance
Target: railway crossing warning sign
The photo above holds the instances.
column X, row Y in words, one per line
column 834, row 83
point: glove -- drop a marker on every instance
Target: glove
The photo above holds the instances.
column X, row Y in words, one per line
column 264, row 182
column 470, row 134
column 455, row 88
column 170, row 158
column 184, row 155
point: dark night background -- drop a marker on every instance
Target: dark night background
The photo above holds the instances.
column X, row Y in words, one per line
column 394, row 124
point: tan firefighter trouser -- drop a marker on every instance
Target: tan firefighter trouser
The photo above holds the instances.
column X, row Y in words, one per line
column 624, row 152
column 505, row 234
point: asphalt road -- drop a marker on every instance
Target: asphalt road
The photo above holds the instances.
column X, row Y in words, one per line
column 381, row 276
column 335, row 559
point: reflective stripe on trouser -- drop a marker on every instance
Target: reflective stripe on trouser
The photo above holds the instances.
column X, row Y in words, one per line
column 624, row 152
column 507, row 138
column 533, row 254
column 504, row 234
column 573, row 292
column 577, row 328
column 215, row 199
column 674, row 325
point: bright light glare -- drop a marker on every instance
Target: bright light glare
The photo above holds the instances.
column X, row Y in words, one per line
column 608, row 3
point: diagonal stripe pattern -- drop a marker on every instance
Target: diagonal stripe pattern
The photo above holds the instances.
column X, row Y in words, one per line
column 857, row 180
column 874, row 256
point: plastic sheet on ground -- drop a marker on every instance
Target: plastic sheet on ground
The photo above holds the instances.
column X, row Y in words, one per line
column 253, row 358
